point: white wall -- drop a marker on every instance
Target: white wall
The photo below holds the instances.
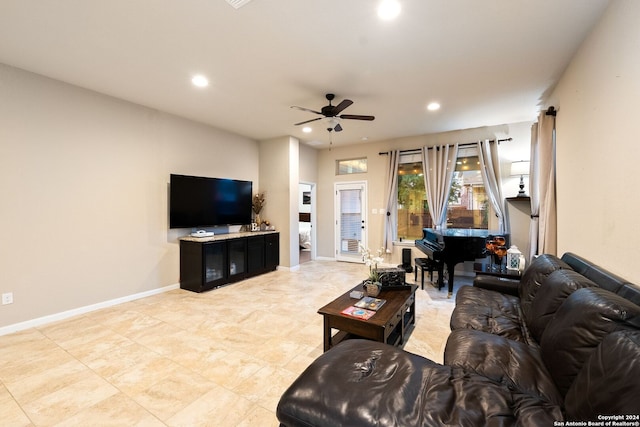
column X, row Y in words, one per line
column 598, row 99
column 84, row 183
column 279, row 177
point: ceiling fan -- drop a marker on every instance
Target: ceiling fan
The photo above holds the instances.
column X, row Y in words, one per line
column 332, row 112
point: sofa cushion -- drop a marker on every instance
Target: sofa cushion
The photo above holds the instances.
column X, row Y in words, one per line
column 532, row 278
column 608, row 382
column 554, row 289
column 578, row 327
column 366, row 383
column 489, row 311
column 503, row 285
column 516, row 365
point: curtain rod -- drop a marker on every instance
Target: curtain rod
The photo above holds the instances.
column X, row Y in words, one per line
column 468, row 144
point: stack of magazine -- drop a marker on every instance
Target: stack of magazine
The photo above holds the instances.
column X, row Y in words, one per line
column 365, row 308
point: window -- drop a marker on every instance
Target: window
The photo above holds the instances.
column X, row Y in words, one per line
column 349, row 166
column 413, row 210
column 468, row 202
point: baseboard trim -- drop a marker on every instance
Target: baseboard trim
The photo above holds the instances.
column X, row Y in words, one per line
column 40, row 321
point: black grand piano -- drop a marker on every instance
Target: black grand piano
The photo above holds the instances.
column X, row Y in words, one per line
column 454, row 245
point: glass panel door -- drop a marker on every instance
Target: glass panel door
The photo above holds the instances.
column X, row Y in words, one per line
column 350, row 220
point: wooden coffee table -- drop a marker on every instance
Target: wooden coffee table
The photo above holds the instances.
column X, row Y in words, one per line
column 389, row 324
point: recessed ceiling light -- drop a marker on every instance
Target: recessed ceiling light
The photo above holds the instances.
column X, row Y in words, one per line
column 306, row 129
column 388, row 9
column 433, row 106
column 200, row 81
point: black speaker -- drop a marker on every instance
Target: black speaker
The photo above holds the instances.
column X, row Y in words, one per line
column 406, row 260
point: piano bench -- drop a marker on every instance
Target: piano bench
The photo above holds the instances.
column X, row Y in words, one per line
column 427, row 264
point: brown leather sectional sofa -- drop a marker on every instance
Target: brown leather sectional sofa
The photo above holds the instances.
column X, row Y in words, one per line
column 561, row 344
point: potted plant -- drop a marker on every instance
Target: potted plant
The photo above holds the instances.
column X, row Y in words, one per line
column 256, row 205
column 372, row 285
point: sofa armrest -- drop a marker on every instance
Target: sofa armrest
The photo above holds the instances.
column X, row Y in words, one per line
column 498, row 284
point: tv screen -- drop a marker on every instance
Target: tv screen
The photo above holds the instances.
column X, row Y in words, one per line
column 196, row 201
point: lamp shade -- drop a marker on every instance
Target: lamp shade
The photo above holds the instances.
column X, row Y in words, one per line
column 520, row 168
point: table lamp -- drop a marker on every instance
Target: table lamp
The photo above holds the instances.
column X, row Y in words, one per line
column 520, row 168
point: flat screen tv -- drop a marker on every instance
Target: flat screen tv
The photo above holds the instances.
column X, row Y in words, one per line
column 196, row 201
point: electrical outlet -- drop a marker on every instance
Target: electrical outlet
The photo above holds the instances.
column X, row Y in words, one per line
column 7, row 298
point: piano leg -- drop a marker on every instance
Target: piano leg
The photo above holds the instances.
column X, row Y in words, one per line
column 451, row 267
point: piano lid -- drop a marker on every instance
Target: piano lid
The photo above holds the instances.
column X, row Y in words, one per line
column 461, row 232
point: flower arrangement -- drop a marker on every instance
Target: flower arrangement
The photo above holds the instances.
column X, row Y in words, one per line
column 258, row 203
column 372, row 262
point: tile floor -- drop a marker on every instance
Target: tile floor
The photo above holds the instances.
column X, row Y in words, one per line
column 220, row 358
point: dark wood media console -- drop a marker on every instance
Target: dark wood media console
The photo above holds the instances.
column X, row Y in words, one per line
column 210, row 262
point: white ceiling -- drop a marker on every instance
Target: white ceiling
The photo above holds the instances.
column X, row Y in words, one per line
column 487, row 62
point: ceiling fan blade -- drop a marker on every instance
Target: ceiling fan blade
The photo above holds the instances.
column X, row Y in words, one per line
column 306, row 109
column 344, row 104
column 308, row 121
column 338, row 128
column 356, row 117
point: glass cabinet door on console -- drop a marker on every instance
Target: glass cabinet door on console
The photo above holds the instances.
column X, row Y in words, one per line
column 203, row 266
column 237, row 257
column 214, row 264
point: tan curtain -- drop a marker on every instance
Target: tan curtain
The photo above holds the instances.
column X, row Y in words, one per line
column 542, row 185
column 391, row 221
column 490, row 168
column 438, row 164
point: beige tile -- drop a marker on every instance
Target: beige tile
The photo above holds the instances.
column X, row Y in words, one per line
column 68, row 401
column 28, row 389
column 145, row 374
column 32, row 362
column 114, row 363
column 173, row 393
column 279, row 351
column 218, row 407
column 258, row 416
column 301, row 361
column 229, row 368
column 132, row 323
column 117, row 410
column 266, row 386
column 12, row 413
column 30, row 341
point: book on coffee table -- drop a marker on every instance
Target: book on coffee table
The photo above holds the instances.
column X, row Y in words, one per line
column 360, row 313
column 370, row 303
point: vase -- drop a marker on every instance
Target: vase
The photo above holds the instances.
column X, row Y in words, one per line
column 373, row 288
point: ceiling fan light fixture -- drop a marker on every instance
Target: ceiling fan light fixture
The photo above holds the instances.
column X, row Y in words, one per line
column 306, row 129
column 389, row 9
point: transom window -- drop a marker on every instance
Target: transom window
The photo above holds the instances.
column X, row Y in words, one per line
column 349, row 166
